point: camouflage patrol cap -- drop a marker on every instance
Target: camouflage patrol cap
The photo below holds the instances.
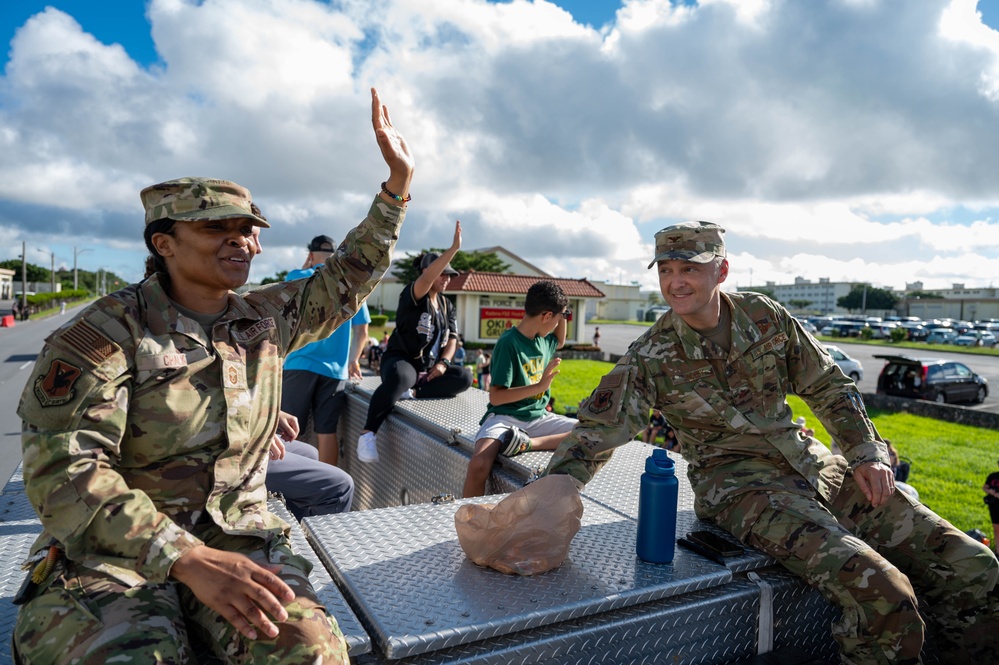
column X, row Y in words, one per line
column 699, row 242
column 198, row 199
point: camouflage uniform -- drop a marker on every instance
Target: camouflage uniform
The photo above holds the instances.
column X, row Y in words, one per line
column 756, row 476
column 143, row 439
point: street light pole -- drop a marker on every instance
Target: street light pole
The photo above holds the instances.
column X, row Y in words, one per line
column 76, row 252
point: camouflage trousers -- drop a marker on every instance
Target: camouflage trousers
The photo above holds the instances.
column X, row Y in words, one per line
column 873, row 563
column 91, row 618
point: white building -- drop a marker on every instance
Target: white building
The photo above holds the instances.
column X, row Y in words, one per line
column 6, row 284
column 821, row 295
column 621, row 302
column 957, row 302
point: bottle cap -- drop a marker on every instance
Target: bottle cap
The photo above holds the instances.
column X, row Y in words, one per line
column 660, row 463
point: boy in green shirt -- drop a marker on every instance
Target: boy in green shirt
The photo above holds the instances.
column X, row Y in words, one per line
column 523, row 366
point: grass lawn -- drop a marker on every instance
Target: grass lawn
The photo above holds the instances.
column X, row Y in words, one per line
column 949, row 461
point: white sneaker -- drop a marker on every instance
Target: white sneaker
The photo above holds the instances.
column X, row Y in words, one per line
column 409, row 394
column 367, row 448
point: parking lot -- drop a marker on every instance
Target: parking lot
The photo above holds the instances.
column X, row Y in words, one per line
column 615, row 338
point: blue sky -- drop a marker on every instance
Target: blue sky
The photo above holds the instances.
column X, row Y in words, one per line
column 850, row 139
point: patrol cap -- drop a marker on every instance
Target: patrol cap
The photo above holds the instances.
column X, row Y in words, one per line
column 322, row 244
column 429, row 258
column 198, row 199
column 699, row 242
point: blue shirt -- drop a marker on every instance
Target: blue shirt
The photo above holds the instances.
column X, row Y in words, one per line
column 330, row 356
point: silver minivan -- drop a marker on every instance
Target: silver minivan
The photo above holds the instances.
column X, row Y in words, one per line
column 852, row 368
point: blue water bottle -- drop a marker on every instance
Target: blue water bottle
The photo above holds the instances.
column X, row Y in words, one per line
column 657, row 501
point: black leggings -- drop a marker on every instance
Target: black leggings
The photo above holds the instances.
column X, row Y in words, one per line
column 399, row 375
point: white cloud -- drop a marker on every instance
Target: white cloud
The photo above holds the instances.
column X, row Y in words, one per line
column 832, row 138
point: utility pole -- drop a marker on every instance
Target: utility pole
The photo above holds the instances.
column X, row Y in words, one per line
column 24, row 276
column 53, row 272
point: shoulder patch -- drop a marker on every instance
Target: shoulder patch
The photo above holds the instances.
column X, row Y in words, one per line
column 55, row 387
column 89, row 342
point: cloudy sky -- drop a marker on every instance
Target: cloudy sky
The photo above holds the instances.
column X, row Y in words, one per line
column 849, row 139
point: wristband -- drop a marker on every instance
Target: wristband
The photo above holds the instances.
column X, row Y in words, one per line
column 386, row 192
column 446, row 361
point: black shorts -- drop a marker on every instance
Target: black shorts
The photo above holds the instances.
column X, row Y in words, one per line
column 305, row 393
column 994, row 512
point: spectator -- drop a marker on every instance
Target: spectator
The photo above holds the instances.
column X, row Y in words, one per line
column 459, row 353
column 991, row 489
column 315, row 376
column 473, row 362
column 517, row 419
column 419, row 359
column 670, row 442
column 309, row 486
column 484, row 376
column 596, row 337
column 657, row 425
column 62, row 307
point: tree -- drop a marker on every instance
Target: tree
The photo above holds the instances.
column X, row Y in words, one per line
column 798, row 303
column 912, row 295
column 875, row 299
column 407, row 273
column 279, row 277
column 35, row 273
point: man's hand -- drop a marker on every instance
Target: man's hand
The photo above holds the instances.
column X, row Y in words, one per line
column 287, row 427
column 277, row 448
column 876, row 481
column 242, row 591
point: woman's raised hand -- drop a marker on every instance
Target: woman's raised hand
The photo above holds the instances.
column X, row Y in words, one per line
column 395, row 150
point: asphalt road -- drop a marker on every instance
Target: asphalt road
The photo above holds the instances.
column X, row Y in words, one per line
column 615, row 338
column 18, row 348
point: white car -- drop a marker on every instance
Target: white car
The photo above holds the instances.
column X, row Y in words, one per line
column 852, row 368
column 976, row 338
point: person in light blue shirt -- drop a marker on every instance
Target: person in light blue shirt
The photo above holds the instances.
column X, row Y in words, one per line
column 315, row 376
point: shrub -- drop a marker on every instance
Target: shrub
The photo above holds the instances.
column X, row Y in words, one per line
column 379, row 320
column 867, row 332
column 899, row 335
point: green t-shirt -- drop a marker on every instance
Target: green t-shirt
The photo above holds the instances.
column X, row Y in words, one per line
column 519, row 361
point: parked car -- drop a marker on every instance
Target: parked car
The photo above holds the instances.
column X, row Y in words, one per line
column 976, row 338
column 942, row 381
column 850, row 366
column 843, row 329
column 809, row 327
column 941, row 336
column 917, row 331
column 879, row 330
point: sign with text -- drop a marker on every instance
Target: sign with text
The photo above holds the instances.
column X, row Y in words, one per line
column 494, row 321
